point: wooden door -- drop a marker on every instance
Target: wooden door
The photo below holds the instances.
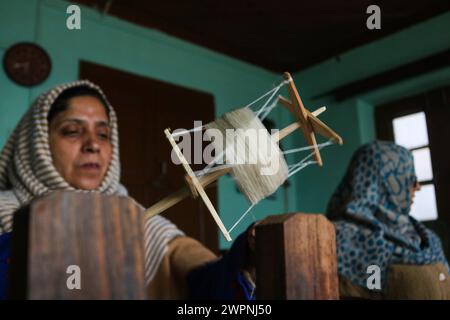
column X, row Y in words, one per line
column 145, row 107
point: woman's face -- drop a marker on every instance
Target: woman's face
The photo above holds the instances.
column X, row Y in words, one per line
column 415, row 187
column 80, row 142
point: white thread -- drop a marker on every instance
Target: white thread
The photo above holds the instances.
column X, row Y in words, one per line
column 270, row 98
column 259, row 167
column 265, row 94
column 293, row 169
column 200, row 173
column 303, row 166
column 263, row 108
column 269, row 109
column 206, row 169
column 269, row 92
column 320, row 145
column 242, row 217
column 180, row 133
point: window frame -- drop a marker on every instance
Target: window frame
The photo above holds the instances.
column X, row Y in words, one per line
column 423, row 183
column 436, row 106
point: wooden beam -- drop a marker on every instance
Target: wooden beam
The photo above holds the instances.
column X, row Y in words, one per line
column 302, row 117
column 283, row 133
column 317, row 125
column 407, row 71
column 183, row 193
column 322, row 129
column 197, row 185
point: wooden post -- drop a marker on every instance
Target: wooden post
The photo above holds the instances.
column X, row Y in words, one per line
column 296, row 258
column 102, row 235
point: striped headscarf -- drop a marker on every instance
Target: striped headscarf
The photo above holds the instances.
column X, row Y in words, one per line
column 27, row 171
column 370, row 211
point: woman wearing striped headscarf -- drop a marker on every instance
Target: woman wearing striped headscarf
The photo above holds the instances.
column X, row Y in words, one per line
column 370, row 210
column 68, row 140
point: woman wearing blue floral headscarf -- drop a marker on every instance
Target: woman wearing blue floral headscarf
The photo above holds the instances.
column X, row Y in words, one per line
column 370, row 211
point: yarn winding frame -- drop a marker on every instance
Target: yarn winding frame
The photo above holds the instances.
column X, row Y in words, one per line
column 306, row 122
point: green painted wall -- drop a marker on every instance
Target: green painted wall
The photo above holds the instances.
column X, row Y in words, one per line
column 354, row 118
column 121, row 45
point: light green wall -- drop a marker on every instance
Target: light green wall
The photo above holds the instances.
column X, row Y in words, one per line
column 353, row 119
column 121, row 45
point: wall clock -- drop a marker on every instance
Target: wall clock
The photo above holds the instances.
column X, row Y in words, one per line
column 27, row 64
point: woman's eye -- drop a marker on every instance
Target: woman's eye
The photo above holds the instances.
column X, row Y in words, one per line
column 70, row 132
column 104, row 136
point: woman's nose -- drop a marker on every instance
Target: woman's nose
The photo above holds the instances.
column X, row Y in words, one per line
column 91, row 144
column 418, row 186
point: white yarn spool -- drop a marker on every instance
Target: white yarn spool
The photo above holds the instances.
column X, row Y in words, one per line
column 259, row 167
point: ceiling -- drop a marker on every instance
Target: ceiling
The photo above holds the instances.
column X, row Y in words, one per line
column 276, row 35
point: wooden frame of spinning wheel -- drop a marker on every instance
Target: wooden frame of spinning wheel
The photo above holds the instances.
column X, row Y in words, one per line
column 197, row 185
column 307, row 122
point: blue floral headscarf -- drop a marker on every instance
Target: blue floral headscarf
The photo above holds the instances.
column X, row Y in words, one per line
column 370, row 211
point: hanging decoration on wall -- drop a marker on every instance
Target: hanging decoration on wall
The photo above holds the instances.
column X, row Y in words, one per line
column 246, row 164
column 27, row 64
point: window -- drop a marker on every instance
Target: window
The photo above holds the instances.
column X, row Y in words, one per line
column 421, row 123
column 410, row 131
